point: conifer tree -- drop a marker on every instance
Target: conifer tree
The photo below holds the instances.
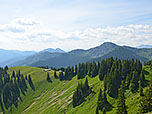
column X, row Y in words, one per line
column 72, row 71
column 134, row 82
column 48, row 77
column 55, row 76
column 104, row 110
column 76, row 69
column 94, row 70
column 6, row 68
column 142, row 78
column 13, row 74
column 61, row 76
column 86, row 85
column 121, row 106
column 31, row 82
column 127, row 81
column 102, row 70
column 146, row 101
column 100, row 101
column 97, row 110
column 140, row 89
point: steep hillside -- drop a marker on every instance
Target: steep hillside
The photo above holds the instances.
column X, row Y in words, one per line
column 56, row 97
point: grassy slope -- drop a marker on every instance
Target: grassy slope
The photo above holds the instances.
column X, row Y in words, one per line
column 56, row 97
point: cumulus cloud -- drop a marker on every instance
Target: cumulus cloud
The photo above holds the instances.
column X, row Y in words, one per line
column 27, row 34
column 20, row 25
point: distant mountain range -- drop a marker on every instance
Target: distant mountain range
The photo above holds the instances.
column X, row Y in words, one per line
column 11, row 57
column 60, row 58
column 145, row 46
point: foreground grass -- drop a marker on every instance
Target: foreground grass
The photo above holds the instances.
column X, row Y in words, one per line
column 56, row 97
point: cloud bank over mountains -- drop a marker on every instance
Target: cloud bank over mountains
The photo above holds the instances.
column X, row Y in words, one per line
column 31, row 34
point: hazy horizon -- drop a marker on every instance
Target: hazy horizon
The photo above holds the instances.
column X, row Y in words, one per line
column 78, row 24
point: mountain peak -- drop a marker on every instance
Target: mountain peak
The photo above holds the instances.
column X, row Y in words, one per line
column 108, row 43
column 51, row 50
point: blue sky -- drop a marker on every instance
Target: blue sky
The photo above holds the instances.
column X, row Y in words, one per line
column 39, row 24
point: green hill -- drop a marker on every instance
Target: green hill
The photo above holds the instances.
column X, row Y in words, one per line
column 56, row 97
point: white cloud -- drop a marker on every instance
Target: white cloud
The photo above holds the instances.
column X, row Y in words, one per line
column 20, row 25
column 28, row 34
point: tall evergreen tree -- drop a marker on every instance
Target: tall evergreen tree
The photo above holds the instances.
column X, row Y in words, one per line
column 121, row 106
column 97, row 110
column 55, row 76
column 145, row 104
column 94, row 70
column 61, row 76
column 134, row 82
column 102, row 70
column 104, row 110
column 48, row 77
column 13, row 74
column 31, row 82
column 100, row 101
column 76, row 69
column 142, row 78
column 140, row 89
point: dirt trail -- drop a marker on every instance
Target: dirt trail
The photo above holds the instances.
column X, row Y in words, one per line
column 54, row 97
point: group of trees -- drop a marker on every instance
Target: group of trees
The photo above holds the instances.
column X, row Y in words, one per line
column 81, row 92
column 115, row 71
column 112, row 71
column 102, row 103
column 11, row 87
column 81, row 70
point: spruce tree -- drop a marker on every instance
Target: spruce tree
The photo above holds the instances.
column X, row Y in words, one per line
column 145, row 104
column 102, row 70
column 121, row 106
column 94, row 70
column 13, row 74
column 142, row 78
column 100, row 101
column 104, row 110
column 86, row 85
column 140, row 89
column 55, row 76
column 134, row 82
column 76, row 69
column 97, row 110
column 48, row 77
column 61, row 76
